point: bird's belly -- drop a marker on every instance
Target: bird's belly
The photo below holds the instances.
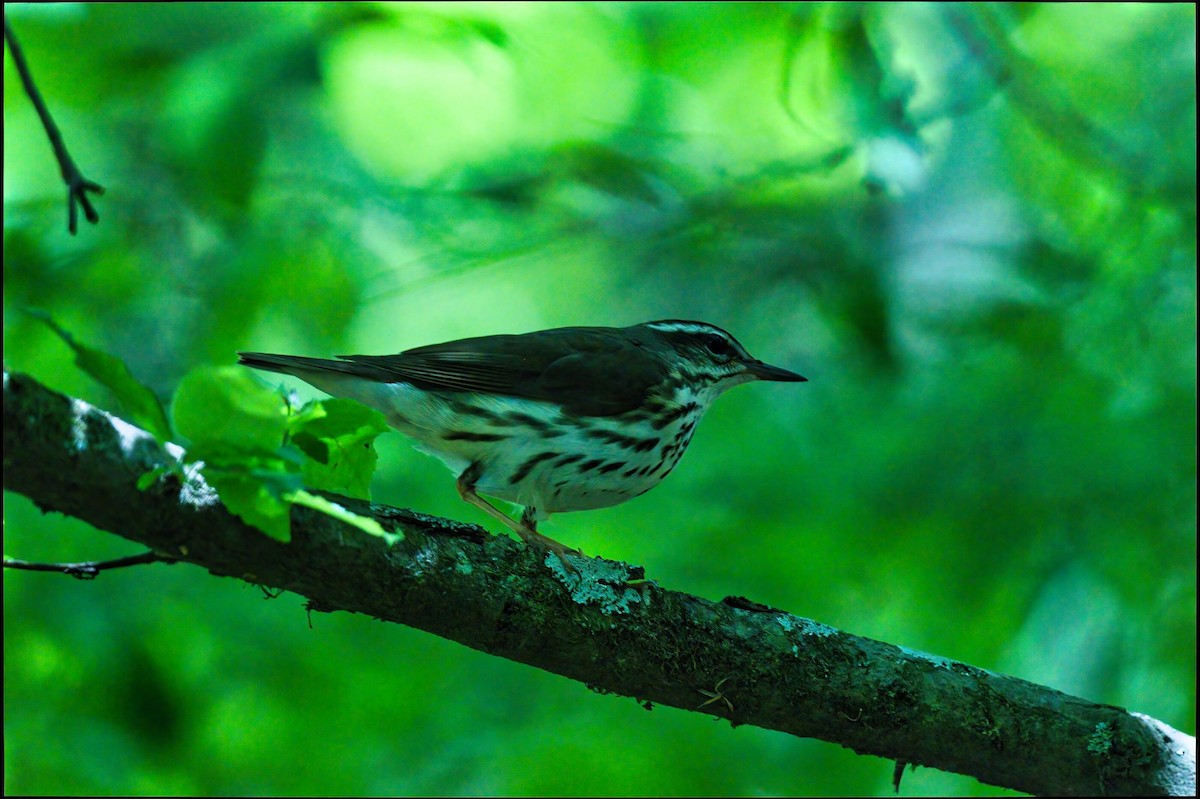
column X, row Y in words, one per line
column 530, row 453
column 566, row 478
column 598, row 464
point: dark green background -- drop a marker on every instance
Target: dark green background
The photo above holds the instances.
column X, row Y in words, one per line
column 972, row 227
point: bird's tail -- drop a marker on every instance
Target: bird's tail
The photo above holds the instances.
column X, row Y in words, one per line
column 299, row 365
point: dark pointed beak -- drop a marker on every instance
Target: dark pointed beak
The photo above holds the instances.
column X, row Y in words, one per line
column 764, row 371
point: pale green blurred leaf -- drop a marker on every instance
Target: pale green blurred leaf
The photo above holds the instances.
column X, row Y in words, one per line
column 364, row 523
column 140, row 402
column 228, row 408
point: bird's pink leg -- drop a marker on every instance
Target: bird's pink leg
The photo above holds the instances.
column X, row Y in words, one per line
column 526, row 528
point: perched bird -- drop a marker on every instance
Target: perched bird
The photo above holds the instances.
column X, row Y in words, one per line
column 567, row 419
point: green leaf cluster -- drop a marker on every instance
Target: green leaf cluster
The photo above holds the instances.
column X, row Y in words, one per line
column 257, row 450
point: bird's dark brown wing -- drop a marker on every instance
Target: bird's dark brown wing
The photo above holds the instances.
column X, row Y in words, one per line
column 590, row 371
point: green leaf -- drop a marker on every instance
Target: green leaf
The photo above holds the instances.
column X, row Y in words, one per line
column 251, row 498
column 138, row 401
column 364, row 523
column 313, row 447
column 237, row 427
column 340, row 417
column 305, row 414
column 226, row 410
column 341, row 445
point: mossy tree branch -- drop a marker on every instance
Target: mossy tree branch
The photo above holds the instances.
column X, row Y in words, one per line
column 733, row 659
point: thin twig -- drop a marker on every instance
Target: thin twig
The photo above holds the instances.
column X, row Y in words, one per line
column 77, row 185
column 88, row 570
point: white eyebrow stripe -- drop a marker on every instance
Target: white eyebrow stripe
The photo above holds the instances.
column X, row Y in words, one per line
column 686, row 327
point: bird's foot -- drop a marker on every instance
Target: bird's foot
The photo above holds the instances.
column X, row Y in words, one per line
column 535, row 539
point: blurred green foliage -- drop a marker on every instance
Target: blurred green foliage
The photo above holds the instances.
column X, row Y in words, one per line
column 972, row 227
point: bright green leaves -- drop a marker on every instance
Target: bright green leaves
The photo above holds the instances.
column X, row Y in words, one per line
column 259, row 453
column 257, row 493
column 236, row 427
column 225, row 410
column 364, row 523
column 340, row 445
column 111, row 372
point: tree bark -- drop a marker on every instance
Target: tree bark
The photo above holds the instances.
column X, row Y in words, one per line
column 734, row 659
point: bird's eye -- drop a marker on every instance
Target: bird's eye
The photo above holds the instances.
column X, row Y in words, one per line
column 717, row 345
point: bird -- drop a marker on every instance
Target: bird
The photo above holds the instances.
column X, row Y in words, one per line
column 566, row 419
